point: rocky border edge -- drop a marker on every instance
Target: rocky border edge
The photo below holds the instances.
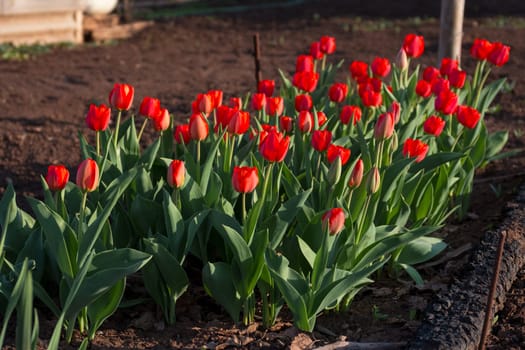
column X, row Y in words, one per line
column 454, row 318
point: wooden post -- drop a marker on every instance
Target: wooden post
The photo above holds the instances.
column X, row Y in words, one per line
column 451, row 29
column 257, row 58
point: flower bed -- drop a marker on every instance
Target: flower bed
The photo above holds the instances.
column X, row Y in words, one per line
column 308, row 234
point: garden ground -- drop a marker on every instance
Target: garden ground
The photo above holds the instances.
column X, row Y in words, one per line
column 44, row 99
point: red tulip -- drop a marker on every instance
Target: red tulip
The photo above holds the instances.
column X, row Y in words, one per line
column 457, row 78
column 176, row 173
column 235, row 102
column 274, row 146
column 315, row 50
column 434, row 125
column 182, row 134
column 415, row 148
column 481, row 49
column 203, row 103
column 266, row 128
column 321, row 118
column 266, row 87
column 305, row 121
column 121, row 96
column 258, row 101
column 334, row 151
column 499, row 55
column 395, row 110
column 381, row 67
column 304, row 63
column 224, row 114
column 198, row 127
column 97, row 118
column 327, row 44
column 468, row 116
column 423, row 88
column 350, row 113
column 286, row 124
column 303, row 102
column 384, row 127
column 216, row 98
column 414, row 45
column 245, row 179
column 149, row 107
column 162, row 120
column 87, row 175
column 239, row 122
column 431, row 73
column 358, row 70
column 321, row 139
column 447, row 66
column 370, row 92
column 57, row 177
column 446, row 102
column 357, row 174
column 274, row 106
column 334, row 221
column 440, row 84
column 306, row 81
column 338, row 92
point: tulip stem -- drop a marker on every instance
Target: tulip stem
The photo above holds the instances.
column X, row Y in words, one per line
column 243, row 202
column 115, row 140
column 80, row 228
column 350, row 197
column 198, row 170
column 142, row 129
column 360, row 227
column 98, row 143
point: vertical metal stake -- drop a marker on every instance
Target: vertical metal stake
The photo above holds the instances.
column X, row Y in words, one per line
column 490, row 301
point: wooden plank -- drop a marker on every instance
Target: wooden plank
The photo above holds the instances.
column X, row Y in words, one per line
column 118, row 32
column 37, row 6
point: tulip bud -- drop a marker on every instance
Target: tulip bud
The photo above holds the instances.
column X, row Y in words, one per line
column 97, row 118
column 182, row 134
column 334, row 173
column 373, row 181
column 176, row 173
column 357, row 174
column 286, row 123
column 121, row 96
column 334, row 221
column 384, row 126
column 402, row 59
column 87, row 175
column 162, row 120
column 57, row 177
column 198, row 127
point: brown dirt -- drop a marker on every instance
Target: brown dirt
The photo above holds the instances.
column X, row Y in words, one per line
column 43, row 101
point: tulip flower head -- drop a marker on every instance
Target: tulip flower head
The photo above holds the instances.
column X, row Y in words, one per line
column 446, row 102
column 381, row 67
column 356, row 177
column 315, row 50
column 334, row 221
column 431, row 73
column 149, row 107
column 258, row 101
column 358, row 70
column 334, row 151
column 162, row 120
column 321, row 118
column 181, row 134
column 306, row 81
column 286, row 123
column 499, row 54
column 402, row 59
column 216, row 98
column 327, row 44
column 245, row 179
column 304, row 63
column 415, row 148
column 481, row 49
column 88, row 175
column 457, row 78
column 373, row 181
column 384, row 127
column 423, row 88
column 447, row 66
column 203, row 103
column 274, row 106
column 305, row 121
column 303, row 102
column 121, row 96
column 266, row 87
column 176, row 173
column 239, row 122
column 468, row 116
column 274, row 146
column 198, row 127
column 338, row 92
column 414, row 45
column 434, row 125
column 350, row 113
column 57, row 177
column 235, row 102
column 97, row 118
column 321, row 139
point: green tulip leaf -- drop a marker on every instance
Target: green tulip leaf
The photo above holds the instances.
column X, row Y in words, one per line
column 218, row 282
column 420, row 250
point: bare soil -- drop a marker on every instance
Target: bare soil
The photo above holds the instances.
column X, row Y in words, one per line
column 43, row 101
